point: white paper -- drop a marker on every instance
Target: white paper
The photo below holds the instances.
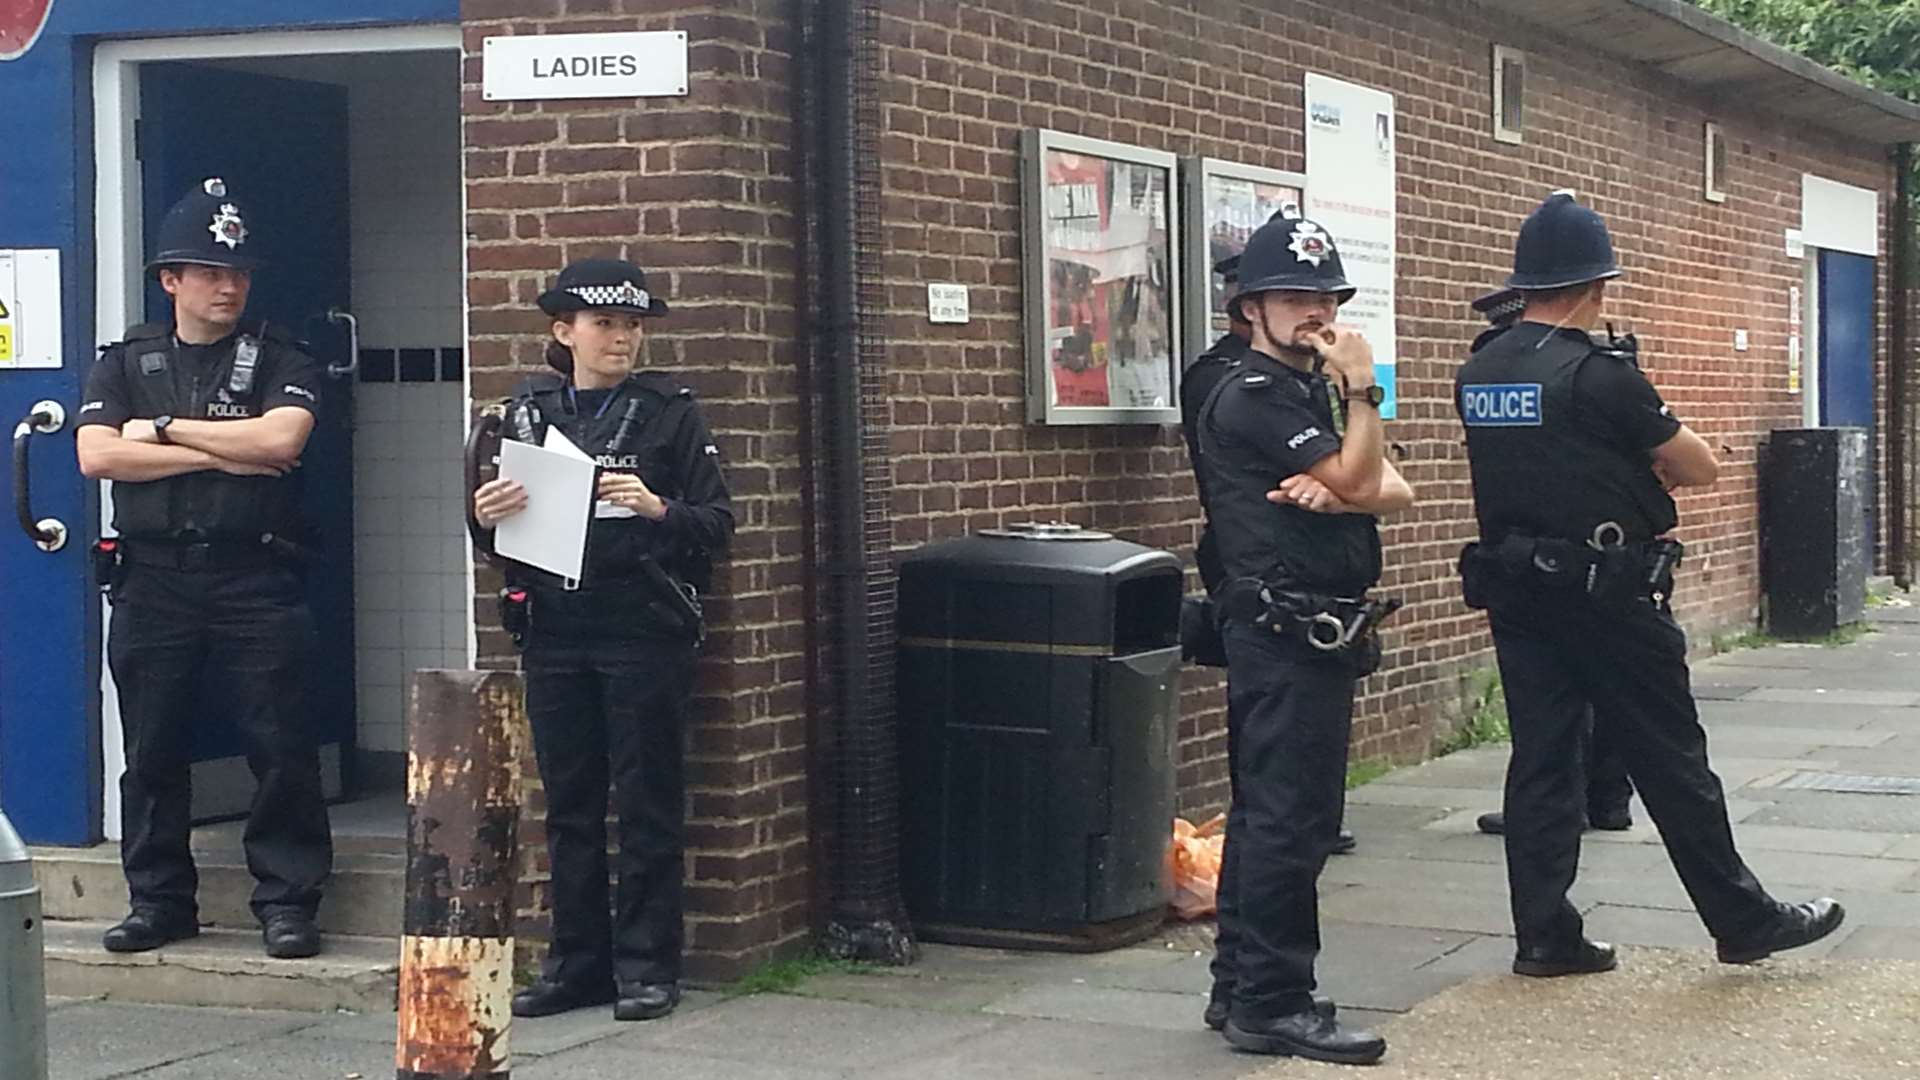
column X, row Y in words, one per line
column 559, row 443
column 551, row 533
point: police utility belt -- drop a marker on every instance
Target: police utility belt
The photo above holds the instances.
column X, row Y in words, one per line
column 649, row 603
column 1613, row 574
column 192, row 550
column 1341, row 628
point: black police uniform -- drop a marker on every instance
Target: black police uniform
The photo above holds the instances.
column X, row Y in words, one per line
column 1290, row 704
column 207, row 599
column 609, row 665
column 1559, row 433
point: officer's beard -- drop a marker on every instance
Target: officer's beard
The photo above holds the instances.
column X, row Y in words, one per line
column 1290, row 350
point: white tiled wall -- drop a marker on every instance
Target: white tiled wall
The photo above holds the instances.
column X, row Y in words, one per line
column 411, row 583
column 410, row 555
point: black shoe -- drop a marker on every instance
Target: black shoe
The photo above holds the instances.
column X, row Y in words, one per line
column 646, row 1001
column 1610, row 819
column 546, row 997
column 145, row 929
column 1802, row 924
column 1307, row 1035
column 1494, row 824
column 1586, row 958
column 1217, row 1006
column 1344, row 843
column 290, row 935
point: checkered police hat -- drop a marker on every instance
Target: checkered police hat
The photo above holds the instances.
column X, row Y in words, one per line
column 612, row 284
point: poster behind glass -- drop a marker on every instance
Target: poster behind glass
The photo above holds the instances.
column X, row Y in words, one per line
column 1227, row 201
column 1108, row 328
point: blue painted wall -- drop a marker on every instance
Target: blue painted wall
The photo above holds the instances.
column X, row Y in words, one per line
column 49, row 635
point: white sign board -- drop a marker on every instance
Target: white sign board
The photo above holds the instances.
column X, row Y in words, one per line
column 947, row 303
column 530, row 67
column 1839, row 217
column 1351, row 191
column 1796, row 244
column 30, row 308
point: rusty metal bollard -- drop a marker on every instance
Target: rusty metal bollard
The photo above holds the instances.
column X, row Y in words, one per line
column 463, row 806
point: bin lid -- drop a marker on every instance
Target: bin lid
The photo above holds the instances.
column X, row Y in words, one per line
column 1046, row 530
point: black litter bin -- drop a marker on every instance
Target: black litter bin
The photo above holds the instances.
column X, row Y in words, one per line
column 1038, row 700
column 1813, row 529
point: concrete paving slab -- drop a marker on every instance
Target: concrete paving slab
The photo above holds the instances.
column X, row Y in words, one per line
column 527, row 1038
column 1677, row 1016
column 1385, row 968
column 1905, row 849
column 1447, row 798
column 601, row 1062
column 95, row 1040
column 1833, row 810
column 1833, row 717
column 1782, row 869
column 1735, row 731
column 1893, row 698
column 1018, row 1049
column 1483, row 912
column 1479, row 869
column 1121, row 967
column 1151, row 1010
column 1646, row 927
column 811, row 1033
column 1879, row 943
column 907, row 991
column 1750, row 836
column 320, row 1059
column 224, row 968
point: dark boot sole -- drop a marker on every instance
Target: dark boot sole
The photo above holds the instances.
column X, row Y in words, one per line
column 1552, row 969
column 300, row 951
column 644, row 1014
column 555, row 1008
column 1276, row 1046
column 1758, row 953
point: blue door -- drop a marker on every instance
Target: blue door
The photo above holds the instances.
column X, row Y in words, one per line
column 282, row 144
column 1846, row 364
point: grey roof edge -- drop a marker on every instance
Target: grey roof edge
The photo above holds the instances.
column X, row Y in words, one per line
column 1904, row 114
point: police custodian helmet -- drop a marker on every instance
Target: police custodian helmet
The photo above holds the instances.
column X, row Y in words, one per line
column 1562, row 244
column 207, row 228
column 1291, row 254
column 612, row 284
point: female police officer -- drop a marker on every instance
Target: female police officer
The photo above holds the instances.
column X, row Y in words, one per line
column 609, row 659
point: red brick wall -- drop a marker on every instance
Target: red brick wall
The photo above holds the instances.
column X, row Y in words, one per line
column 1225, row 80
column 697, row 191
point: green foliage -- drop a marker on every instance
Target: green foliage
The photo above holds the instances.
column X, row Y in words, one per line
column 1486, row 721
column 1876, row 42
column 786, row 976
column 1366, row 771
column 1745, row 639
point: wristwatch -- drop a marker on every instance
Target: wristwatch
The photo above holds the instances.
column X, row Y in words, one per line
column 1372, row 395
column 160, row 424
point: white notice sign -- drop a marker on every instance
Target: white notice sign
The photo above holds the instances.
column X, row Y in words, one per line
column 30, row 331
column 1351, row 191
column 947, row 302
column 530, row 67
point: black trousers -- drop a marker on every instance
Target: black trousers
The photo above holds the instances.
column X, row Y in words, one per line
column 1558, row 655
column 611, row 713
column 1608, row 786
column 1289, row 713
column 244, row 636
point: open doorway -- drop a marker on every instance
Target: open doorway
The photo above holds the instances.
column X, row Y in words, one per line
column 348, row 145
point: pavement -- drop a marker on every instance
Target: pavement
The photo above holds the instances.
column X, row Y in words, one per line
column 1819, row 749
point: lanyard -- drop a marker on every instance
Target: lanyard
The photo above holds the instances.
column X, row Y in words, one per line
column 573, row 401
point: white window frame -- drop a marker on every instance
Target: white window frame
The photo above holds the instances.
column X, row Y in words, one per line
column 1514, row 133
column 1714, row 184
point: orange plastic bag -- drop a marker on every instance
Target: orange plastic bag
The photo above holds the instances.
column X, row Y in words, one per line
column 1195, row 859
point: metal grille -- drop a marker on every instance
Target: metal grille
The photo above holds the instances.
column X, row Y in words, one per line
column 1852, row 784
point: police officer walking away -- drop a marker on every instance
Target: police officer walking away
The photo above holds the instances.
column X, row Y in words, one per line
column 200, row 423
column 1573, row 456
column 609, row 659
column 1296, row 564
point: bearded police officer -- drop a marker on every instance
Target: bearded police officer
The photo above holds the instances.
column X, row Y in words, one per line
column 1299, row 630
column 609, row 658
column 1573, row 456
column 200, row 422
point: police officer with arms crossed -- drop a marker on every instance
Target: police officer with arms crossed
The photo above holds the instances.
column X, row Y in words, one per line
column 1573, row 456
column 200, row 425
column 1297, row 562
column 609, row 659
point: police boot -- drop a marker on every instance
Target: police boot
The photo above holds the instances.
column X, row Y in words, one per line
column 550, row 996
column 1494, row 824
column 1586, row 958
column 645, row 1001
column 1344, row 843
column 1801, row 924
column 1308, row 1035
column 148, row 928
column 290, row 935
column 1610, row 818
column 1221, row 1000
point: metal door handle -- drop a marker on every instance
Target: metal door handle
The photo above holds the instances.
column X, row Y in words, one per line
column 342, row 315
column 48, row 534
